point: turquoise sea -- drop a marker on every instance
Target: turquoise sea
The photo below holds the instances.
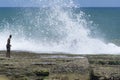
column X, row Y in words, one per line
column 60, row 29
column 106, row 20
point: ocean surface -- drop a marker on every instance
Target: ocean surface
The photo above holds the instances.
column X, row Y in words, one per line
column 107, row 19
column 70, row 30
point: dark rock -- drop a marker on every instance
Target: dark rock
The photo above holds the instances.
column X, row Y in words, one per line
column 41, row 73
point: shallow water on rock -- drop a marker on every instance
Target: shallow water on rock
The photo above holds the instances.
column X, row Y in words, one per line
column 60, row 56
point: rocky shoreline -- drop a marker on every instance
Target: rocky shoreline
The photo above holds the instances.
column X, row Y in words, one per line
column 31, row 66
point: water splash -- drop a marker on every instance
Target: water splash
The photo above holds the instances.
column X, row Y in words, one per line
column 56, row 28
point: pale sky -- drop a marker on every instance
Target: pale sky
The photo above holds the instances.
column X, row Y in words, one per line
column 37, row 3
column 98, row 3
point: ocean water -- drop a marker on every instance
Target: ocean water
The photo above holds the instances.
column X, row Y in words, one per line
column 58, row 29
column 106, row 19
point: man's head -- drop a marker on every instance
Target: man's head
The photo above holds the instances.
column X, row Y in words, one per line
column 10, row 36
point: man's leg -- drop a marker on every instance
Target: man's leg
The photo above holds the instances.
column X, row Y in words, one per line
column 9, row 53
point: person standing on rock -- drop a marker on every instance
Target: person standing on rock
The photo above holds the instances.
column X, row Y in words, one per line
column 8, row 46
